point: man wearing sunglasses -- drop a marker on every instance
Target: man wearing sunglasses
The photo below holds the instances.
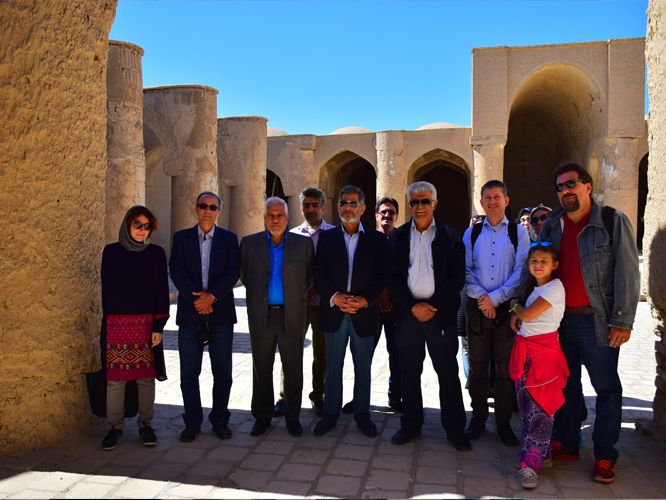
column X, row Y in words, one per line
column 426, row 264
column 205, row 266
column 493, row 265
column 349, row 276
column 598, row 266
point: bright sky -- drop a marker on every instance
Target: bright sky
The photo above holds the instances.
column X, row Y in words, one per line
column 312, row 66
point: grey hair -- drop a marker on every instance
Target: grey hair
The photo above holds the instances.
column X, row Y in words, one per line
column 313, row 192
column 421, row 187
column 349, row 188
column 274, row 200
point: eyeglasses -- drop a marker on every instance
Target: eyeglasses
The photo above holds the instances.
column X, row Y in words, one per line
column 139, row 225
column 536, row 220
column 313, row 204
column 387, row 211
column 212, row 208
column 351, row 204
column 541, row 244
column 570, row 184
column 422, row 201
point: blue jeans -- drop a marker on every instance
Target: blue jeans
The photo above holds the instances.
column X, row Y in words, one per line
column 362, row 349
column 191, row 355
column 580, row 347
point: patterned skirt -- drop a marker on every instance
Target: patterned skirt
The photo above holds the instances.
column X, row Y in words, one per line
column 129, row 355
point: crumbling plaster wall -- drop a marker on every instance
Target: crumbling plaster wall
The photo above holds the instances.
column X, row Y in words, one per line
column 654, row 240
column 53, row 143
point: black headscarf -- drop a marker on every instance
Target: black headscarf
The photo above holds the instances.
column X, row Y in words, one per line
column 129, row 243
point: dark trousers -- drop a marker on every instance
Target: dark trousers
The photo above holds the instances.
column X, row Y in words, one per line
column 580, row 347
column 318, row 354
column 190, row 352
column 395, row 374
column 290, row 346
column 487, row 339
column 412, row 338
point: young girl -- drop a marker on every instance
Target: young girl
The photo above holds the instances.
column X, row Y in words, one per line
column 537, row 363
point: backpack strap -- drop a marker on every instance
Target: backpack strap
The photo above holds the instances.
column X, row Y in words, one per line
column 608, row 217
column 513, row 234
column 476, row 231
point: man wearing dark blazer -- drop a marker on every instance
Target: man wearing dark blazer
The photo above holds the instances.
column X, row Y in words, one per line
column 426, row 261
column 349, row 276
column 276, row 269
column 205, row 266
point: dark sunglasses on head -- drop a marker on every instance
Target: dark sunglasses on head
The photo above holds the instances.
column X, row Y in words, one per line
column 570, row 184
column 313, row 204
column 423, row 201
column 541, row 218
column 541, row 244
column 139, row 225
column 212, row 208
column 387, row 211
column 351, row 204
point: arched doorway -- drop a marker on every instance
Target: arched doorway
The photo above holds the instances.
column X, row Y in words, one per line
column 450, row 175
column 274, row 185
column 555, row 117
column 642, row 200
column 348, row 168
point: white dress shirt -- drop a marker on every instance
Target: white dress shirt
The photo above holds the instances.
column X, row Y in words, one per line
column 205, row 245
column 421, row 274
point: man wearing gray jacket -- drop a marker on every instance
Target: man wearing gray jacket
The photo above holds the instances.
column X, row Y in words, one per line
column 276, row 269
column 598, row 266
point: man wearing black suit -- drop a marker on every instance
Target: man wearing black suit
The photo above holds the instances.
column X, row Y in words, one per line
column 349, row 276
column 426, row 273
column 205, row 266
column 276, row 269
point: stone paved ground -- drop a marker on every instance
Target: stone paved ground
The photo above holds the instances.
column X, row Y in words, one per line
column 344, row 463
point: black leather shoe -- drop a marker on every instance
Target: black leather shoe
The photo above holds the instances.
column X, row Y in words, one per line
column 461, row 443
column 396, row 405
column 318, row 407
column 475, row 429
column 403, row 437
column 278, row 409
column 367, row 427
column 260, row 427
column 348, row 408
column 189, row 434
column 323, row 426
column 294, row 427
column 222, row 431
column 507, row 436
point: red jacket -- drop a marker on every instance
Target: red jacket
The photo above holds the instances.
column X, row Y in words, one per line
column 548, row 370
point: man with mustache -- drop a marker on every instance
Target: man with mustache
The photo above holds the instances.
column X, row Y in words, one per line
column 599, row 270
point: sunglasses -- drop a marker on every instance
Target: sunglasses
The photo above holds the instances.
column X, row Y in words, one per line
column 570, row 184
column 350, row 204
column 212, row 208
column 313, row 204
column 139, row 225
column 387, row 211
column 541, row 244
column 536, row 220
column 423, row 201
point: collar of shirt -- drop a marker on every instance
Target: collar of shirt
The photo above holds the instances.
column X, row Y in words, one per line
column 503, row 222
column 273, row 245
column 429, row 228
column 360, row 230
column 205, row 236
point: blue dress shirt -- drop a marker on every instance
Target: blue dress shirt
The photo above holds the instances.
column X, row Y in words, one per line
column 275, row 285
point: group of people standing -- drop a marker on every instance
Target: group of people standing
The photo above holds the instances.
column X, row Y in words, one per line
column 537, row 307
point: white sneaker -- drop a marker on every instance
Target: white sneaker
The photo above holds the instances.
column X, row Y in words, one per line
column 528, row 478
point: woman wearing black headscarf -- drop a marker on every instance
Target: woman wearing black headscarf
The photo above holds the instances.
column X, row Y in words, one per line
column 135, row 303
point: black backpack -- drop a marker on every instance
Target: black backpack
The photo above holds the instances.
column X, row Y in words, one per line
column 513, row 233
